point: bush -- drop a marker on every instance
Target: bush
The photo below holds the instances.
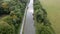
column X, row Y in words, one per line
column 5, row 28
column 4, row 9
column 43, row 25
column 42, row 29
column 15, row 11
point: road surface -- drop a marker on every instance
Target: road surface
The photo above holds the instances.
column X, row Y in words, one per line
column 29, row 24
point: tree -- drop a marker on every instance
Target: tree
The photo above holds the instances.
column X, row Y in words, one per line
column 5, row 28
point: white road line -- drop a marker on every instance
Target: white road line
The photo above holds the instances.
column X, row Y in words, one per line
column 21, row 30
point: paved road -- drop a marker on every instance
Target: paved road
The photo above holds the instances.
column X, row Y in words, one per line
column 29, row 24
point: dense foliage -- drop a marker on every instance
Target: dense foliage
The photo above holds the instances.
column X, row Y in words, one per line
column 5, row 28
column 11, row 13
column 43, row 25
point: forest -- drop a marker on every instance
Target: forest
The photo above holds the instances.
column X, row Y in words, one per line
column 11, row 14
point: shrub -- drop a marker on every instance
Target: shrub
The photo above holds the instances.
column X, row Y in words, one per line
column 43, row 25
column 4, row 9
column 15, row 10
column 5, row 28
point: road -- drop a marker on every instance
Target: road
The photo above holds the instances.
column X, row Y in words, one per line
column 29, row 24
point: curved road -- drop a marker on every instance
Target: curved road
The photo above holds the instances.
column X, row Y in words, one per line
column 29, row 24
